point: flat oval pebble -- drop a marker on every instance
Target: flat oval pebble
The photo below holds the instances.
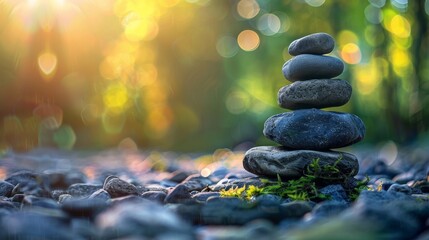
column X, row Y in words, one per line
column 314, row 129
column 289, row 164
column 309, row 66
column 318, row 93
column 317, row 43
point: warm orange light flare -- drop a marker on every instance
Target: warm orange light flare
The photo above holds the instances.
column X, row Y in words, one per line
column 47, row 62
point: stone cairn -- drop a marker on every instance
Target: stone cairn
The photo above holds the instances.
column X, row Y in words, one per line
column 308, row 133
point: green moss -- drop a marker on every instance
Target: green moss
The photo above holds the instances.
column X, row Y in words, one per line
column 305, row 188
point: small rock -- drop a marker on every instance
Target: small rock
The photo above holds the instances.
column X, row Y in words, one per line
column 325, row 210
column 83, row 189
column 196, row 182
column 370, row 166
column 314, row 129
column 100, row 194
column 267, row 199
column 62, row 179
column 64, row 197
column 6, row 189
column 55, row 194
column 141, row 220
column 156, row 196
column 118, row 188
column 23, row 177
column 288, row 164
column 179, row 194
column 403, row 188
column 34, row 226
column 32, row 201
column 308, row 66
column 178, row 176
column 316, row 43
column 27, row 182
column 335, row 192
column 318, row 93
column 295, row 209
column 380, row 197
column 84, row 207
column 234, row 211
column 202, row 197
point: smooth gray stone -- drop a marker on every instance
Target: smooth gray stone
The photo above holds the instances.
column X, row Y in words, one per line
column 289, row 164
column 309, row 66
column 318, row 93
column 316, row 43
column 119, row 188
column 314, row 129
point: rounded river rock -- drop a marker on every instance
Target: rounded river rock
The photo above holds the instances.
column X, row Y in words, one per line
column 317, row 43
column 308, row 66
column 288, row 164
column 314, row 129
column 318, row 93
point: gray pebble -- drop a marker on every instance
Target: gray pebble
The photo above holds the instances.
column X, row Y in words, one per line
column 318, row 93
column 316, row 43
column 308, row 66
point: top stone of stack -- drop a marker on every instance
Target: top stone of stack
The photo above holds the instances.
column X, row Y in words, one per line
column 317, row 43
column 309, row 61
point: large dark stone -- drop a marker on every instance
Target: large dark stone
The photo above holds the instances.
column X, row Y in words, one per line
column 318, row 93
column 289, row 164
column 308, row 66
column 316, row 43
column 314, row 129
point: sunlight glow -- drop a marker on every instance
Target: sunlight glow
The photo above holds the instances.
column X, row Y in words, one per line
column 47, row 63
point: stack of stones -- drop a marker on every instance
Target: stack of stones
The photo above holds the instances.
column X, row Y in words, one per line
column 308, row 133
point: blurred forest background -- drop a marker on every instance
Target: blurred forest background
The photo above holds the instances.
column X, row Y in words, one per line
column 197, row 75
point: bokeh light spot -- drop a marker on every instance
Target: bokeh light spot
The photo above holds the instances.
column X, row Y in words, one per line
column 369, row 75
column 351, row 53
column 116, row 98
column 347, row 36
column 138, row 28
column 373, row 14
column 65, row 137
column 159, row 120
column 51, row 116
column 400, row 58
column 128, row 144
column 248, row 8
column 248, row 40
column 378, row 3
column 205, row 172
column 90, row 113
column 113, row 123
column 269, row 24
column 47, row 62
column 400, row 26
column 315, row 3
column 227, row 47
column 237, row 102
